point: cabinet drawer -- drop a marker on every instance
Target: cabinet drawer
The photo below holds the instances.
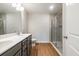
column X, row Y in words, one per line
column 13, row 50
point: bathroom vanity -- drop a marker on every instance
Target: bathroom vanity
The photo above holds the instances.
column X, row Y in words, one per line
column 18, row 45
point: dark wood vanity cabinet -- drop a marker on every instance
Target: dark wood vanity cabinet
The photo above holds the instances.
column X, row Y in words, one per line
column 18, row 53
column 29, row 45
column 23, row 48
column 26, row 46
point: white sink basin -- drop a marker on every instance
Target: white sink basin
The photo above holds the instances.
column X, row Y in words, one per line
column 5, row 42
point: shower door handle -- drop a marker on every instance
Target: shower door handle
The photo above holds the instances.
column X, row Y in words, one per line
column 65, row 37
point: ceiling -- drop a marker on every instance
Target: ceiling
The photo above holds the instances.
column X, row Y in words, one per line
column 32, row 7
column 42, row 7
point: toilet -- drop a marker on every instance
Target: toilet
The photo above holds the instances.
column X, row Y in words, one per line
column 33, row 42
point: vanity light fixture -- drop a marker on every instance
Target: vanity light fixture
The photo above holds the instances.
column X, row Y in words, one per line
column 22, row 8
column 18, row 6
column 14, row 4
column 68, row 4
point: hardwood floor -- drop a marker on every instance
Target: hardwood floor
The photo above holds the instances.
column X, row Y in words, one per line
column 43, row 49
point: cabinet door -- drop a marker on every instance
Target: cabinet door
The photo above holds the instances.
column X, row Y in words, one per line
column 18, row 53
column 24, row 47
column 29, row 45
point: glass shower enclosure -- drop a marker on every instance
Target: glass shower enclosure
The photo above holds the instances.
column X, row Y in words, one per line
column 56, row 31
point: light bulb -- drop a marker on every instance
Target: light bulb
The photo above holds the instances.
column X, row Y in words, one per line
column 19, row 8
column 68, row 4
column 14, row 4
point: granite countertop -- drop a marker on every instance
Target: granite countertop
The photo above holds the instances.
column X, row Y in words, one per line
column 9, row 42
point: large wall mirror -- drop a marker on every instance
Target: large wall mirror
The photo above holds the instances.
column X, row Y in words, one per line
column 9, row 19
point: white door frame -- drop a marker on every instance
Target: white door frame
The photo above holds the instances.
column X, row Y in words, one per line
column 63, row 27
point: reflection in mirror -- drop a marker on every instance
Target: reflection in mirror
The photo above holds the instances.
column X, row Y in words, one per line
column 1, row 25
column 9, row 19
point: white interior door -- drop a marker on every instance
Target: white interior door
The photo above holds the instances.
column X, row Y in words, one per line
column 71, row 29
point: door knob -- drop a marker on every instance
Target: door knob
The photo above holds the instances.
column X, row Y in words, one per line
column 65, row 37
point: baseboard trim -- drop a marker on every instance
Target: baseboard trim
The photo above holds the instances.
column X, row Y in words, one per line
column 42, row 42
column 56, row 49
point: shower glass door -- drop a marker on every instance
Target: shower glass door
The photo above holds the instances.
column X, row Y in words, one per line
column 56, row 31
column 59, row 32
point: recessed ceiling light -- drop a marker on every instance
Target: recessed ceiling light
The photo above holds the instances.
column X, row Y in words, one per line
column 51, row 7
